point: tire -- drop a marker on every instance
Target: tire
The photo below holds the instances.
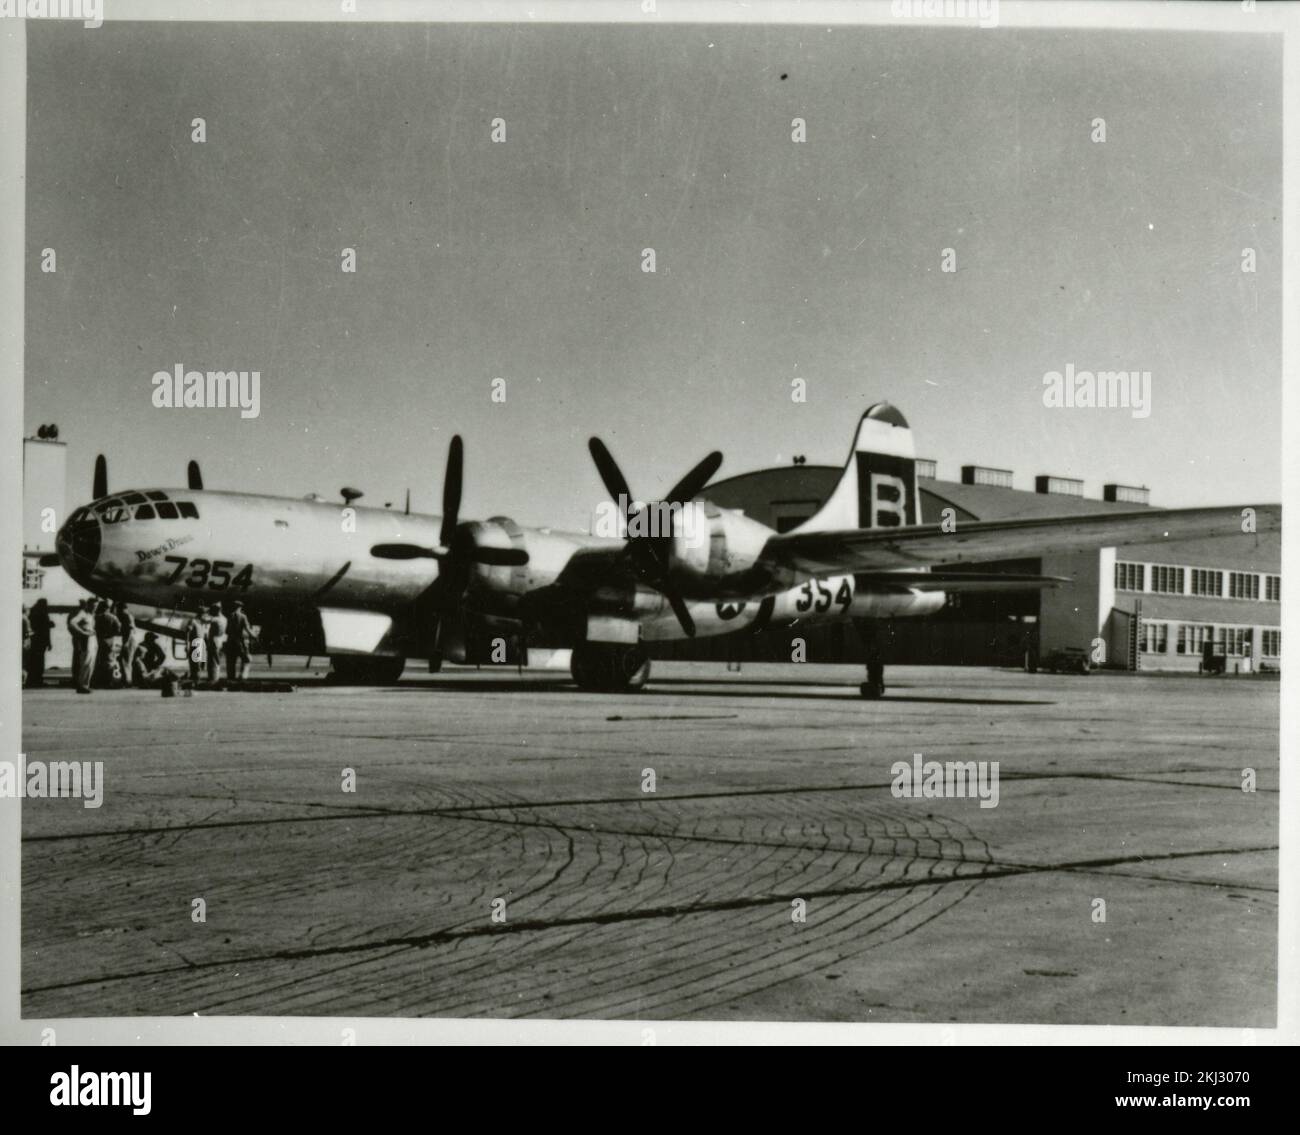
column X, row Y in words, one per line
column 360, row 670
column 609, row 669
column 874, row 686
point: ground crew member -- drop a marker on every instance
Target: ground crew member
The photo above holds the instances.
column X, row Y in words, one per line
column 109, row 631
column 216, row 642
column 195, row 645
column 238, row 633
column 150, row 661
column 27, row 643
column 42, row 625
column 81, row 626
column 127, row 621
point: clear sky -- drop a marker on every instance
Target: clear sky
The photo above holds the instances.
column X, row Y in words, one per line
column 774, row 260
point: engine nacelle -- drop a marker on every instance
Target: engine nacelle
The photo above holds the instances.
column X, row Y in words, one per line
column 498, row 588
column 714, row 550
column 868, row 604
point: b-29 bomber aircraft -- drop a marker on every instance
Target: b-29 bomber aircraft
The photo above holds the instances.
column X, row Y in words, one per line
column 373, row 587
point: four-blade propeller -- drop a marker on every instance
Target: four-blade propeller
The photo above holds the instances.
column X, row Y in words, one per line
column 456, row 546
column 649, row 555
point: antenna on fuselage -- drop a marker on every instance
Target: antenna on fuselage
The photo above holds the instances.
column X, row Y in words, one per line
column 100, row 488
column 195, row 476
column 349, row 495
column 407, row 510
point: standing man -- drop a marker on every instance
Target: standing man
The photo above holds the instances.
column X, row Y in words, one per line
column 42, row 625
column 195, row 644
column 108, row 630
column 81, row 626
column 27, row 644
column 238, row 634
column 127, row 623
column 216, row 642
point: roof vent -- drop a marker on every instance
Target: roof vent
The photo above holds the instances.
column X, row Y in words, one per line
column 1060, row 486
column 1126, row 494
column 983, row 475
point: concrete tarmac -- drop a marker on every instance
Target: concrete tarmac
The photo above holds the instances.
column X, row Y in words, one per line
column 500, row 855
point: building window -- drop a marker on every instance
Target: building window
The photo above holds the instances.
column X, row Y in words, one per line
column 1128, row 577
column 1192, row 637
column 1206, row 582
column 1272, row 644
column 1273, row 588
column 1168, row 580
column 1236, row 641
column 1155, row 638
column 1243, row 585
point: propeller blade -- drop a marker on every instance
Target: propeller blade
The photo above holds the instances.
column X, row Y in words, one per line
column 101, row 478
column 690, row 485
column 406, row 552
column 195, row 476
column 610, row 474
column 451, row 486
column 499, row 557
column 678, row 604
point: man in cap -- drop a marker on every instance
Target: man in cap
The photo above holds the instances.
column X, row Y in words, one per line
column 85, row 647
column 238, row 634
column 216, row 642
column 129, row 643
column 108, row 630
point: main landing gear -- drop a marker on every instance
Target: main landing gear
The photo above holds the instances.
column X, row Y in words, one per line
column 874, row 686
column 610, row 668
column 364, row 670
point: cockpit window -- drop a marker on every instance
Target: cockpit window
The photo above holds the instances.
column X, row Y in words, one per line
column 113, row 511
column 188, row 510
column 155, row 495
column 167, row 511
column 144, row 512
column 133, row 498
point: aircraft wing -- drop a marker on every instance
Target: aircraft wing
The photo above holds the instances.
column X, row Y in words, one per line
column 905, row 580
column 868, row 549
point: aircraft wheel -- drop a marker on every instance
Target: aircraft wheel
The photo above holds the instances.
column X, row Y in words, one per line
column 609, row 669
column 874, row 686
column 359, row 670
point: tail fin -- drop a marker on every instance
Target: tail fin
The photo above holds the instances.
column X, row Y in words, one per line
column 878, row 486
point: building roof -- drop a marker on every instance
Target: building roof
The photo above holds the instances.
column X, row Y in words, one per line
column 986, row 502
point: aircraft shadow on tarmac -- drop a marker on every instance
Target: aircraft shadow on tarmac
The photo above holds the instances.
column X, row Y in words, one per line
column 725, row 689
